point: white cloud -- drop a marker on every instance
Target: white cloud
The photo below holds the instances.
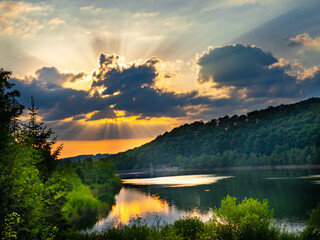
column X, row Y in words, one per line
column 306, row 40
column 145, row 14
column 56, row 21
column 19, row 18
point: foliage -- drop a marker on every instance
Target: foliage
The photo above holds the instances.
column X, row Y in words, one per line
column 250, row 219
column 312, row 231
column 38, row 203
column 282, row 135
column 92, row 186
column 11, row 226
column 189, row 228
column 10, row 109
column 97, row 173
column 40, row 137
column 80, row 201
column 38, row 199
column 314, row 219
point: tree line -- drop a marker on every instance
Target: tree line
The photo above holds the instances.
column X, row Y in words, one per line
column 40, row 198
column 282, row 135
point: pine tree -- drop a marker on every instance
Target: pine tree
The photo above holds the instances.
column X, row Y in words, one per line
column 40, row 137
column 10, row 109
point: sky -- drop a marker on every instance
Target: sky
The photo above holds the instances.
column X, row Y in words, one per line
column 111, row 75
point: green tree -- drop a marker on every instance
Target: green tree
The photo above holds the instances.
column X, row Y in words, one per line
column 250, row 219
column 40, row 137
column 30, row 207
column 312, row 231
column 10, row 109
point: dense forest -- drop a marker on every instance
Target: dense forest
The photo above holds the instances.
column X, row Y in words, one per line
column 41, row 198
column 282, row 135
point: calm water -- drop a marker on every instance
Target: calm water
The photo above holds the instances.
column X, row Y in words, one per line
column 168, row 197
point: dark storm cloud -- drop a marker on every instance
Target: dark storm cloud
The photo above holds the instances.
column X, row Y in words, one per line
column 256, row 80
column 132, row 89
column 57, row 103
column 102, row 114
column 253, row 72
column 127, row 88
column 233, row 65
column 128, row 79
column 52, row 78
column 76, row 77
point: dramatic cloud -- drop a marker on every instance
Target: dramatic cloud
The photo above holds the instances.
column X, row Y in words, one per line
column 55, row 102
column 122, row 93
column 118, row 90
column 253, row 73
column 233, row 65
column 131, row 89
column 53, row 78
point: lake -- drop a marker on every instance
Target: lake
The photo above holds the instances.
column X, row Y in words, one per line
column 170, row 196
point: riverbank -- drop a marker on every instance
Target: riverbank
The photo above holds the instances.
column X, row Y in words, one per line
column 249, row 219
column 238, row 168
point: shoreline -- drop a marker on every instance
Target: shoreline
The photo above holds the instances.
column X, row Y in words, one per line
column 238, row 168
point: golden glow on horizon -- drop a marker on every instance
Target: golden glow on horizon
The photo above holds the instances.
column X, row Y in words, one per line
column 74, row 148
column 132, row 119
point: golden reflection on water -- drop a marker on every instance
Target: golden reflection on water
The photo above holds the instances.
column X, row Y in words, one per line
column 131, row 203
column 177, row 181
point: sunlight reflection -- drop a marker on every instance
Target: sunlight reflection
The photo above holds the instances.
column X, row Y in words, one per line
column 132, row 203
column 177, row 181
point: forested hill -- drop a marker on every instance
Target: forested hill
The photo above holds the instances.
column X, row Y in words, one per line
column 282, row 135
column 80, row 158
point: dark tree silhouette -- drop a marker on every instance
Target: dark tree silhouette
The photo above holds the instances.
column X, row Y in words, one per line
column 10, row 109
column 40, row 137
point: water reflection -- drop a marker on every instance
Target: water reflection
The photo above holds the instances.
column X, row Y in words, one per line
column 285, row 178
column 177, row 181
column 132, row 203
column 291, row 193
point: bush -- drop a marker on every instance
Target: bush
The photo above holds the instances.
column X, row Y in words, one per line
column 80, row 201
column 312, row 231
column 250, row 219
column 189, row 228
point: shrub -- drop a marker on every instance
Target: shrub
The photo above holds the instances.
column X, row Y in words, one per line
column 250, row 219
column 189, row 228
column 312, row 231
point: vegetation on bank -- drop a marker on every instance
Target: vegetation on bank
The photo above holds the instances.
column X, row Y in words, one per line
column 282, row 135
column 248, row 220
column 92, row 187
column 40, row 198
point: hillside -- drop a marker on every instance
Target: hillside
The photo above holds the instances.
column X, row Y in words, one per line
column 282, row 135
column 80, row 158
